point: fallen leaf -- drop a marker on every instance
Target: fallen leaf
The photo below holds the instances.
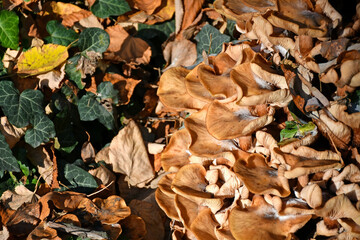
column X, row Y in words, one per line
column 180, row 53
column 128, row 155
column 20, row 195
column 125, row 86
column 133, row 227
column 40, row 158
column 104, row 176
column 124, row 47
column 24, row 220
column 87, row 152
column 148, row 6
column 40, row 60
column 11, row 133
column 67, row 201
column 43, row 231
column 151, row 216
column 191, row 10
column 53, row 78
column 111, row 210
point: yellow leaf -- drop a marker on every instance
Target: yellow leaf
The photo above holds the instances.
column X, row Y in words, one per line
column 64, row 8
column 39, row 60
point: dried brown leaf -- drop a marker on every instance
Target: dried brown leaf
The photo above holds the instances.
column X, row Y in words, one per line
column 124, row 47
column 128, row 156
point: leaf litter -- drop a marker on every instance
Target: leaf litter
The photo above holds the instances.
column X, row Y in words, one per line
column 153, row 119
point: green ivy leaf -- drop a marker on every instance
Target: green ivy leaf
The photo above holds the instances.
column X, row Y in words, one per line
column 59, row 34
column 7, row 161
column 107, row 8
column 73, row 73
column 94, row 39
column 166, row 28
column 78, row 177
column 210, row 40
column 9, row 29
column 90, row 109
column 24, row 109
column 43, row 129
column 19, row 108
column 106, row 90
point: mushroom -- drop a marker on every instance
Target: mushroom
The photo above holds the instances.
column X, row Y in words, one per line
column 172, row 91
column 195, row 88
column 202, row 143
column 262, row 221
column 339, row 207
column 220, row 86
column 310, row 161
column 230, row 121
column 259, row 178
column 176, row 154
column 312, row 194
column 190, row 182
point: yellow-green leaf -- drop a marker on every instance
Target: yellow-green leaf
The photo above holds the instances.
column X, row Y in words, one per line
column 39, row 60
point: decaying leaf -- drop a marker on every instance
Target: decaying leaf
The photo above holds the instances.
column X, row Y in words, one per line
column 124, row 47
column 128, row 156
column 40, row 60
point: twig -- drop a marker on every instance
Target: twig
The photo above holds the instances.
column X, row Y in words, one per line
column 100, row 190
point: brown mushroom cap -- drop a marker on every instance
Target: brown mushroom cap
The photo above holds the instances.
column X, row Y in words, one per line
column 307, row 162
column 166, row 203
column 175, row 154
column 339, row 207
column 231, row 121
column 202, row 143
column 261, row 179
column 312, row 194
column 296, row 16
column 190, row 182
column 186, row 209
column 262, row 221
column 204, row 225
column 195, row 88
column 220, row 86
column 172, row 91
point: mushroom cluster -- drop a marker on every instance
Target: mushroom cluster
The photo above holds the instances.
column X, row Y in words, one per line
column 268, row 149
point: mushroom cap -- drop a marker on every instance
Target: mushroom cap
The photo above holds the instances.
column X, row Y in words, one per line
column 260, row 178
column 176, row 155
column 262, row 221
column 339, row 207
column 172, row 90
column 312, row 194
column 231, row 121
column 190, row 182
column 220, row 86
column 202, row 142
column 309, row 161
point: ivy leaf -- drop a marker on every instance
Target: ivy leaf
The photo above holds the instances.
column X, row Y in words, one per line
column 9, row 29
column 90, row 109
column 43, row 59
column 210, row 40
column 106, row 90
column 107, row 8
column 7, row 161
column 166, row 28
column 24, row 109
column 78, row 177
column 43, row 129
column 73, row 73
column 19, row 107
column 94, row 39
column 59, row 34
